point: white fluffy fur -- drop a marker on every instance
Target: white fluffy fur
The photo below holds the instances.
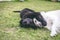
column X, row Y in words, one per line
column 53, row 21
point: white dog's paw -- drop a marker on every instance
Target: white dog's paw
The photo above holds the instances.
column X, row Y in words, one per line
column 53, row 34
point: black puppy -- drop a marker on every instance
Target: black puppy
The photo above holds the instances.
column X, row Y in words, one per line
column 27, row 16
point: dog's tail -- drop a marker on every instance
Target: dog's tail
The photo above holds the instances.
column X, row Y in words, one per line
column 17, row 11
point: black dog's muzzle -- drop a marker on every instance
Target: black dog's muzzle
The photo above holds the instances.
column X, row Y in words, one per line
column 27, row 21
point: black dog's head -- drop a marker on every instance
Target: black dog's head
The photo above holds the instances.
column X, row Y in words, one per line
column 27, row 16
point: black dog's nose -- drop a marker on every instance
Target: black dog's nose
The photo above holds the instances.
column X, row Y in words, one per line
column 25, row 22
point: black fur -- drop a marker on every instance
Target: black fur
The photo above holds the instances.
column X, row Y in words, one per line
column 27, row 16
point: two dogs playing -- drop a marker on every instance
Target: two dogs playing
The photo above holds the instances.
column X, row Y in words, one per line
column 49, row 20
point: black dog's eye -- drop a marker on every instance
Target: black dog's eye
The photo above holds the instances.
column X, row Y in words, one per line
column 35, row 21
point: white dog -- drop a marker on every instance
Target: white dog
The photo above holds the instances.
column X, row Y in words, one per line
column 53, row 21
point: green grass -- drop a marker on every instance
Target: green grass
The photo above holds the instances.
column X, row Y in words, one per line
column 9, row 21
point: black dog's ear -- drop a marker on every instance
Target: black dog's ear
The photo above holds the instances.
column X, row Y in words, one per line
column 27, row 10
column 40, row 18
column 17, row 11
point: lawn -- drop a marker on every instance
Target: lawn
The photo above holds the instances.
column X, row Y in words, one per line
column 9, row 21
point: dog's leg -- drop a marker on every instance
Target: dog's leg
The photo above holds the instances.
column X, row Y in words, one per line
column 54, row 27
column 53, row 31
